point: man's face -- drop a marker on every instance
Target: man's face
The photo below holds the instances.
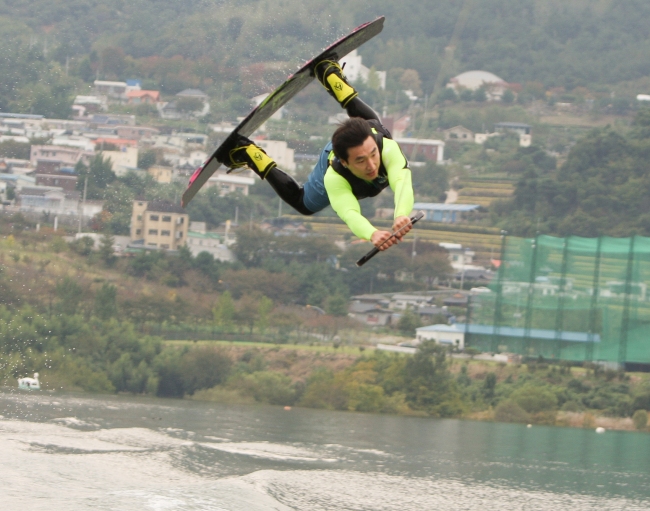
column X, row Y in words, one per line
column 364, row 160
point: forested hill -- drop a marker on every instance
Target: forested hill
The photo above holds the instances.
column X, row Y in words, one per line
column 557, row 43
column 601, row 189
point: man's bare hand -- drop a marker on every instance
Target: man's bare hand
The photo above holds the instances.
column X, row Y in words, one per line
column 382, row 240
column 401, row 222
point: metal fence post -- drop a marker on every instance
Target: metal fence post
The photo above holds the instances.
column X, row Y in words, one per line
column 531, row 293
column 559, row 315
column 593, row 311
column 497, row 306
column 625, row 322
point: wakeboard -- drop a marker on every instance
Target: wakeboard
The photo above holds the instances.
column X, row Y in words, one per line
column 278, row 98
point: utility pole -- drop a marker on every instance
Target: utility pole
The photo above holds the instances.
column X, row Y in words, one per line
column 81, row 207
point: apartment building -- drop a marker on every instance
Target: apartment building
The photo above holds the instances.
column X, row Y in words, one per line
column 159, row 224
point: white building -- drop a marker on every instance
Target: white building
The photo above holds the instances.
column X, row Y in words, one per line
column 355, row 70
column 473, row 80
column 122, row 161
column 230, row 183
column 280, row 152
column 448, row 335
column 459, row 258
column 46, row 199
column 78, row 141
column 406, row 301
column 115, row 90
column 209, row 242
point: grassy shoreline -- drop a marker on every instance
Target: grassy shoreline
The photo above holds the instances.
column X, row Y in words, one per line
column 298, row 363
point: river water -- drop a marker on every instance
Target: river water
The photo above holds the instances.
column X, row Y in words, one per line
column 76, row 451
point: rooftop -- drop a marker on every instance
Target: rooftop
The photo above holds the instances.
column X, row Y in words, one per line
column 165, row 207
column 434, row 206
column 475, row 79
column 512, row 125
column 507, row 331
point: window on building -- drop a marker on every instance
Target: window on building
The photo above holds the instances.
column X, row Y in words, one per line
column 139, row 217
column 164, row 245
column 166, row 218
column 153, row 232
column 153, row 218
column 138, row 231
column 181, row 220
column 165, row 233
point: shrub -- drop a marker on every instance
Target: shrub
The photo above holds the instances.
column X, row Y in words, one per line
column 572, row 406
column 533, row 398
column 204, row 368
column 509, row 411
column 640, row 419
column 265, row 387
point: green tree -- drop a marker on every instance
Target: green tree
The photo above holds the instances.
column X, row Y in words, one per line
column 337, row 305
column 640, row 419
column 146, row 159
column 224, row 311
column 264, row 308
column 248, row 311
column 508, row 97
column 189, row 105
column 480, row 95
column 204, row 368
column 70, row 295
column 106, row 302
column 106, row 250
column 409, row 322
column 100, row 175
column 428, row 383
column 13, row 149
column 534, row 398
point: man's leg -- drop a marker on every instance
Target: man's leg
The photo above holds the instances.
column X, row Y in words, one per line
column 288, row 190
column 247, row 154
column 330, row 75
column 312, row 196
column 358, row 108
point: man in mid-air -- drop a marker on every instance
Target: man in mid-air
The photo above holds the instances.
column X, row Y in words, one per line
column 361, row 160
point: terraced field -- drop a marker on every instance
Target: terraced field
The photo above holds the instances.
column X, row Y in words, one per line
column 484, row 191
column 486, row 243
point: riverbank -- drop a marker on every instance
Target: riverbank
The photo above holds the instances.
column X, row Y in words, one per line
column 373, row 381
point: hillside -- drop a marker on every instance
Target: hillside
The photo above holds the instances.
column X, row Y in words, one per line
column 601, row 189
column 172, row 45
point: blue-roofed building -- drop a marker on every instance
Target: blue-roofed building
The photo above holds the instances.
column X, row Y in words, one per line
column 462, row 335
column 447, row 213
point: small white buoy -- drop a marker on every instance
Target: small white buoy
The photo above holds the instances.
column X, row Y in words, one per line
column 529, row 426
column 600, row 430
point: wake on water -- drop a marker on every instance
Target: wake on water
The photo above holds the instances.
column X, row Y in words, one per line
column 75, row 463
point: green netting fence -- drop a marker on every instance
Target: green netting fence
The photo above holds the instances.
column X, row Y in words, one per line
column 579, row 299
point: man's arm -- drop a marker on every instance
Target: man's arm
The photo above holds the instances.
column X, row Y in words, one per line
column 399, row 179
column 347, row 207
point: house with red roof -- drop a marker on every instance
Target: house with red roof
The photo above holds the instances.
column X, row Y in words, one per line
column 138, row 97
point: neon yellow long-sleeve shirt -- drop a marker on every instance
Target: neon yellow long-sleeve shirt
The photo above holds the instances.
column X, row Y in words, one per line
column 347, row 206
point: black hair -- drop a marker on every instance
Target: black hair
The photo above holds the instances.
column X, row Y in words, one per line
column 351, row 133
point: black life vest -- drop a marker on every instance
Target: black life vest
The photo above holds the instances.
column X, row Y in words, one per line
column 360, row 187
